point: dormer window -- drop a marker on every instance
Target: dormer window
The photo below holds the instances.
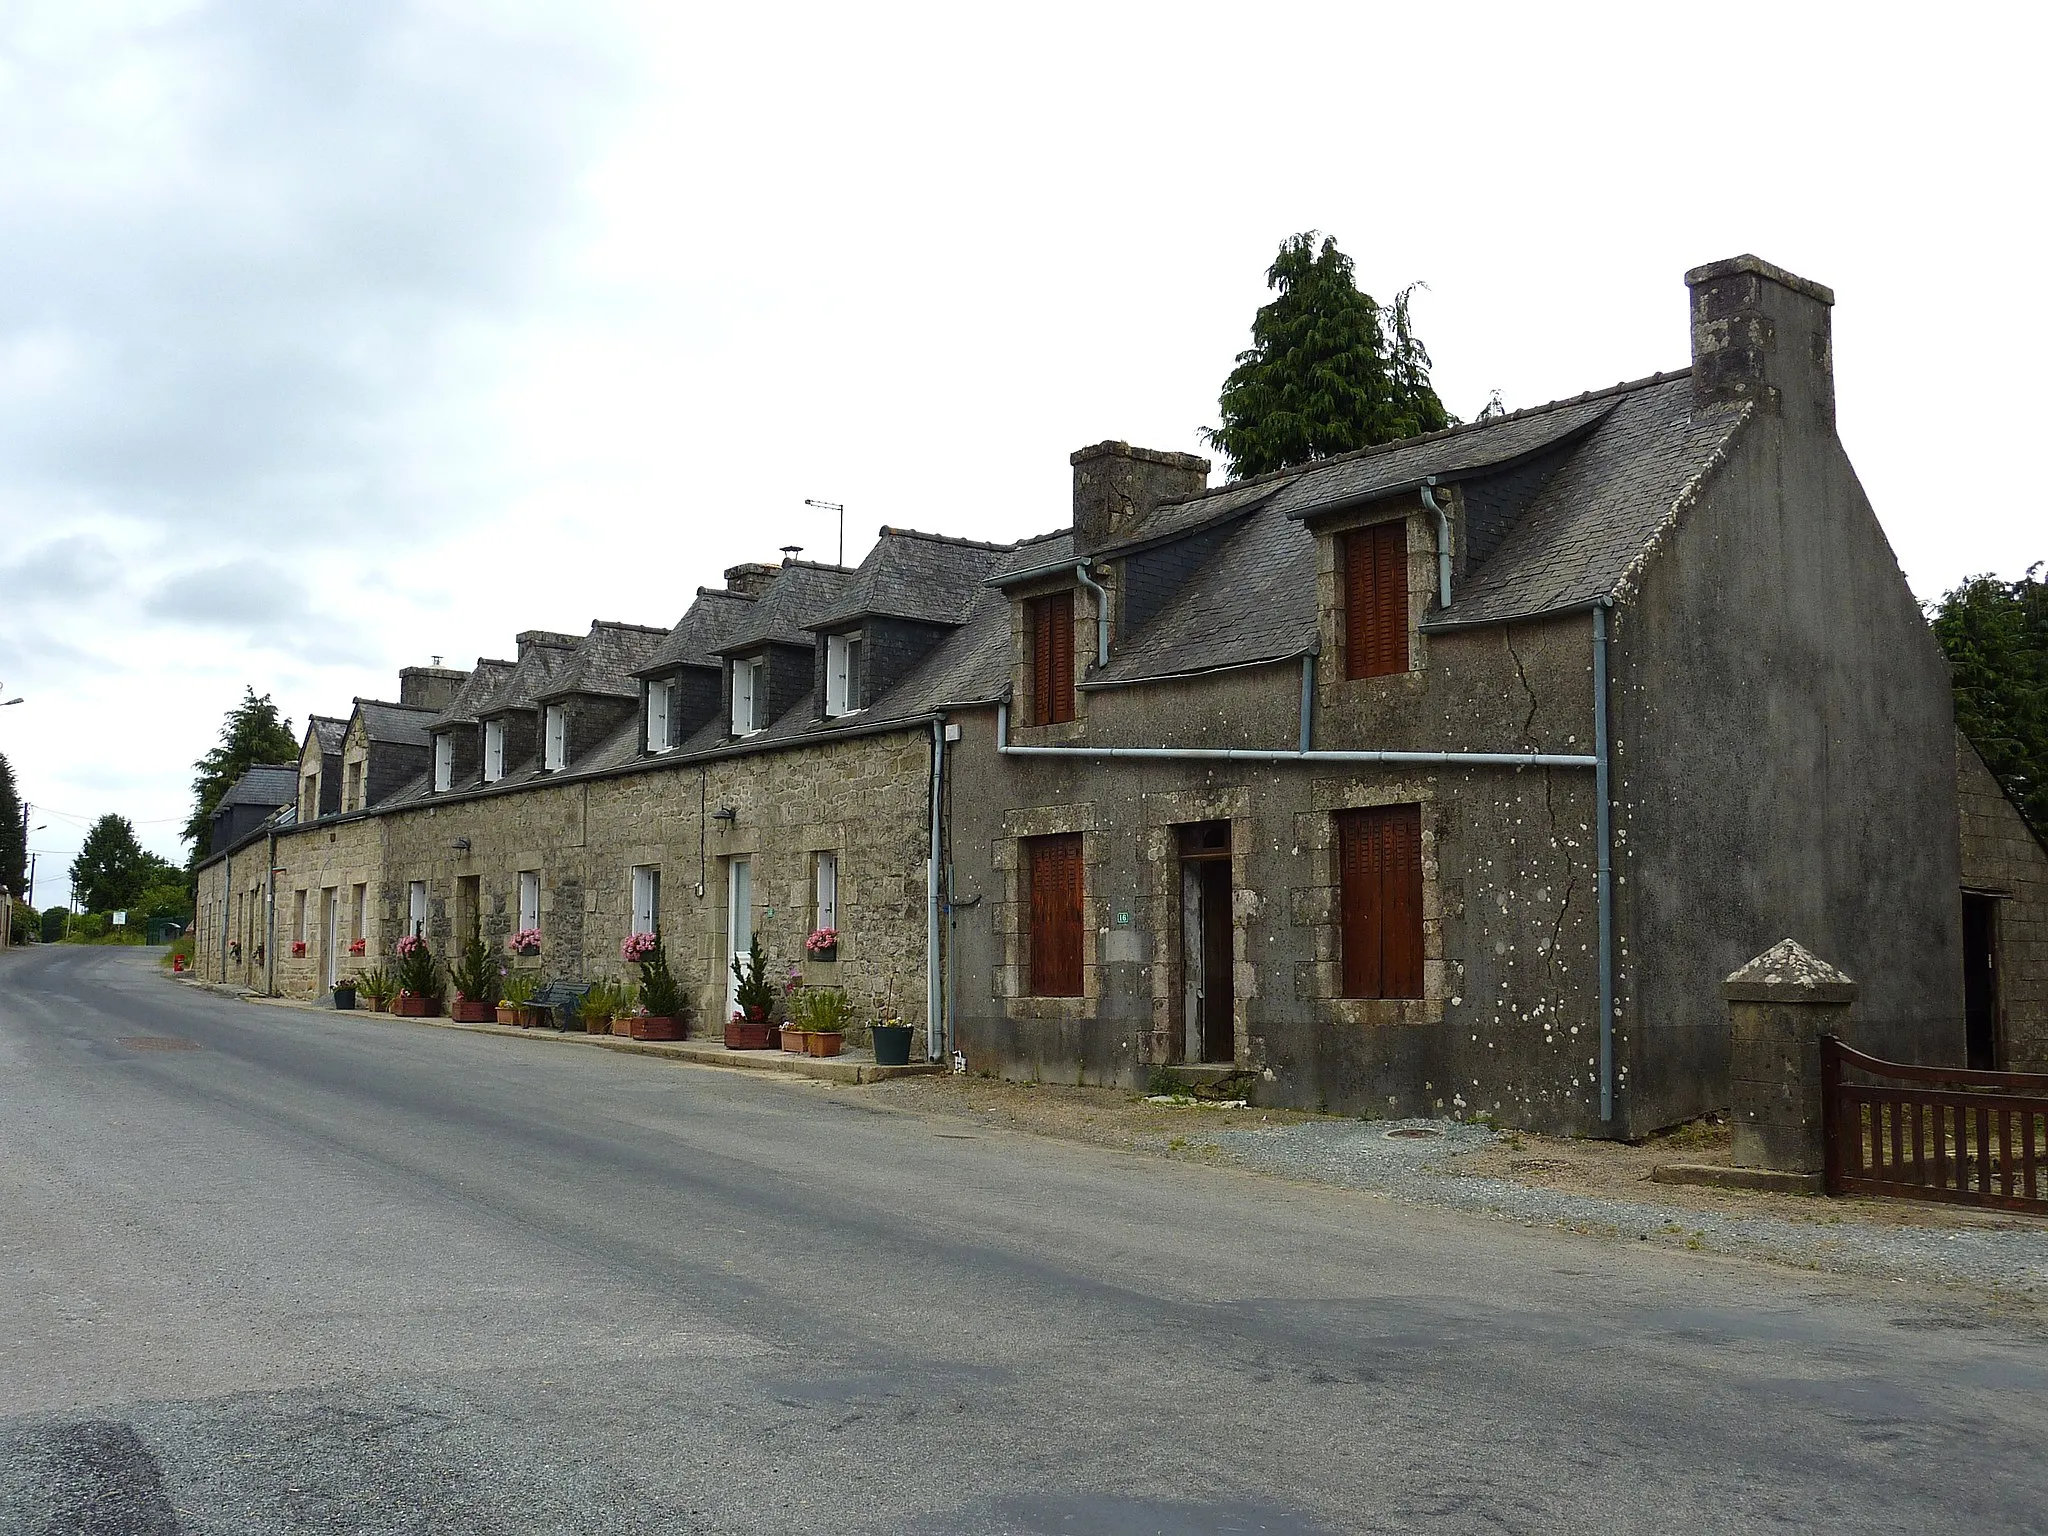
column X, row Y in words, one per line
column 494, row 751
column 749, row 695
column 554, row 737
column 842, row 674
column 659, row 696
column 1049, row 639
column 444, row 761
column 1375, row 561
column 352, row 796
column 309, row 796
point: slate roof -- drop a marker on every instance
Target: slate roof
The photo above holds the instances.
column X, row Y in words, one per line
column 267, row 784
column 328, row 731
column 799, row 590
column 1639, row 448
column 1046, row 552
column 911, row 575
column 548, row 657
column 402, row 725
column 485, row 679
column 606, row 661
column 715, row 615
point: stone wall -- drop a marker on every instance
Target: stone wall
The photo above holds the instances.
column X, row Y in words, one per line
column 2003, row 858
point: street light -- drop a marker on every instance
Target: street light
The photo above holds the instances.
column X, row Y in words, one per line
column 5, row 702
column 840, row 508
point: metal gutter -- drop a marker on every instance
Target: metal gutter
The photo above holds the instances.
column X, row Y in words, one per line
column 1101, row 612
column 1443, row 542
column 1104, row 685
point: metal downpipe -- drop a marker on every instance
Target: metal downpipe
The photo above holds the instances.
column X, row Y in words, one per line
column 1308, row 700
column 1443, row 543
column 1101, row 612
column 934, row 1000
column 1603, row 836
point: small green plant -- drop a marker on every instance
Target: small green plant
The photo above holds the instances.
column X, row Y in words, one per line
column 821, row 1010
column 660, row 996
column 519, row 989
column 755, row 993
column 378, row 985
column 419, row 973
column 1162, row 1084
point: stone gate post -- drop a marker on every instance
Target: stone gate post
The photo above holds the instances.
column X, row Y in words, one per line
column 1779, row 1006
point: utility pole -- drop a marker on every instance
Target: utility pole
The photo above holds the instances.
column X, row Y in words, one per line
column 840, row 508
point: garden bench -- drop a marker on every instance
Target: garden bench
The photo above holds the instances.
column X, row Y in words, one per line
column 562, row 1001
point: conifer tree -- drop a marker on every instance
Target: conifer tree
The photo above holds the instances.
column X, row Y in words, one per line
column 1330, row 369
column 113, row 869
column 251, row 734
column 13, row 835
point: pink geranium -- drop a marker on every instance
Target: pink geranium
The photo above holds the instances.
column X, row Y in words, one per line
column 822, row 939
column 526, row 942
column 638, row 947
column 411, row 944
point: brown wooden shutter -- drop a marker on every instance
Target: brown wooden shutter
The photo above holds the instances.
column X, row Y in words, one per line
column 1052, row 658
column 1379, row 876
column 1376, row 600
column 1054, row 938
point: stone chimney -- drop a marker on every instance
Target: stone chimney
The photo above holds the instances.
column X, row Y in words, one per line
column 1760, row 333
column 751, row 579
column 1115, row 485
column 529, row 639
column 429, row 687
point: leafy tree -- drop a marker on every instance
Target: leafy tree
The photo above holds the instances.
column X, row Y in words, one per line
column 13, row 835
column 1330, row 369
column 113, row 870
column 1996, row 636
column 251, row 734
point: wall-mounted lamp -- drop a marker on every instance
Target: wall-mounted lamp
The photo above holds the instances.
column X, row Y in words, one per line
column 726, row 814
column 462, row 845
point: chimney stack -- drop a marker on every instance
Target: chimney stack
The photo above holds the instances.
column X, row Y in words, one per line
column 429, row 687
column 1115, row 485
column 751, row 579
column 1760, row 333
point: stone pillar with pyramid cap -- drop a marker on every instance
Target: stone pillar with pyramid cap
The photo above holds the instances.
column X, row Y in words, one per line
column 1779, row 1006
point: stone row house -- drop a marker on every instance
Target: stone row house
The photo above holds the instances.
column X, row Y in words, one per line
column 1451, row 776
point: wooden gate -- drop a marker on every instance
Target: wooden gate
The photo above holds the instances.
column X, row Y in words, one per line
column 1934, row 1133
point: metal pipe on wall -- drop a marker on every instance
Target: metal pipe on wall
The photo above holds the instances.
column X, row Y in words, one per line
column 1443, row 543
column 934, row 1001
column 1101, row 611
column 1603, row 835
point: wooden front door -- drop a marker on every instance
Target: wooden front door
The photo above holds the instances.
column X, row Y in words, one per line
column 1208, row 974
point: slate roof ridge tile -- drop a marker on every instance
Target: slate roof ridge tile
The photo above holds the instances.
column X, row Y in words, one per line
column 890, row 531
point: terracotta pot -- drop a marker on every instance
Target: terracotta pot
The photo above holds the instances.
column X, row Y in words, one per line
column 466, row 1012
column 507, row 1014
column 749, row 1035
column 792, row 1039
column 655, row 1027
column 623, row 1026
column 379, row 1004
column 821, row 1042
column 593, row 1026
column 416, row 1008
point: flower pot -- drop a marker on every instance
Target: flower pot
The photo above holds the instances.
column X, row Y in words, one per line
column 749, row 1035
column 379, row 1004
column 593, row 1025
column 828, row 953
column 466, row 1012
column 792, row 1039
column 507, row 1014
column 824, row 1042
column 623, row 1026
column 416, row 1007
column 892, row 1045
column 656, row 1027
column 344, row 997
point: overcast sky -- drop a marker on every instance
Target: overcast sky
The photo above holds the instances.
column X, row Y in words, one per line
column 336, row 336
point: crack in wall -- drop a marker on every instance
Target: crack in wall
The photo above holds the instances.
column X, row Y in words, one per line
column 1507, row 635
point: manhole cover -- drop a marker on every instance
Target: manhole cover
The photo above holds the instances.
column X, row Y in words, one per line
column 159, row 1043
column 1412, row 1133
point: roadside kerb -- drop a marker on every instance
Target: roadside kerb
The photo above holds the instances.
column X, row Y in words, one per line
column 852, row 1069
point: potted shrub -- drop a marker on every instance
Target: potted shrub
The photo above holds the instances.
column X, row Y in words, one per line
column 892, row 1041
column 822, row 944
column 823, row 1013
column 476, row 979
column 598, row 1009
column 420, row 989
column 512, row 1000
column 379, row 986
column 660, row 1014
column 750, row 1029
column 345, row 994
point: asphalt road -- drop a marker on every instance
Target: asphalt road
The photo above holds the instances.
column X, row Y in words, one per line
column 339, row 1273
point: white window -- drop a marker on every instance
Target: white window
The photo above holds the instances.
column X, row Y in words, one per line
column 828, row 891
column 494, row 751
column 646, row 897
column 555, row 733
column 657, row 716
column 529, row 898
column 749, row 695
column 444, row 760
column 739, row 923
column 416, row 908
column 842, row 673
